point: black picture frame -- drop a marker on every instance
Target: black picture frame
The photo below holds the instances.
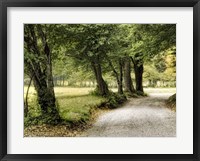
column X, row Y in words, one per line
column 4, row 4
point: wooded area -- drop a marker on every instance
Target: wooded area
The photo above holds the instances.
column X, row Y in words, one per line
column 116, row 61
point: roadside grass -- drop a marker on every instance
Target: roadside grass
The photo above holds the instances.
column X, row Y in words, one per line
column 75, row 105
column 78, row 108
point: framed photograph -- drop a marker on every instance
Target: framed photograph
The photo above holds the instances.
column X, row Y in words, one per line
column 99, row 80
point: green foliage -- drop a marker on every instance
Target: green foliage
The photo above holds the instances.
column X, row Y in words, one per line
column 42, row 119
column 114, row 100
column 34, row 108
column 139, row 93
column 161, row 68
column 131, row 95
column 74, row 46
column 171, row 102
column 160, row 63
column 95, row 92
column 155, row 38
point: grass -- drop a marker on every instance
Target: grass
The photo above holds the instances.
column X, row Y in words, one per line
column 71, row 91
column 78, row 108
column 74, row 104
column 63, row 91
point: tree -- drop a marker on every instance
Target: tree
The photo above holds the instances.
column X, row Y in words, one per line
column 124, row 46
column 128, row 84
column 91, row 45
column 38, row 62
column 117, row 75
column 148, row 42
column 138, row 68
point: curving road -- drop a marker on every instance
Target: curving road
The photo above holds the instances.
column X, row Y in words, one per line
column 141, row 117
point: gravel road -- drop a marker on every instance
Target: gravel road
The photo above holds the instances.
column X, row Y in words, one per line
column 139, row 117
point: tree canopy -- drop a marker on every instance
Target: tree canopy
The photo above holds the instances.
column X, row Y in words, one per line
column 125, row 56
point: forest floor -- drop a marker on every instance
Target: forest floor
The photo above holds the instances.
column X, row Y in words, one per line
column 139, row 117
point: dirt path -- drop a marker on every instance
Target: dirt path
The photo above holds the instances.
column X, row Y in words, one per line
column 141, row 117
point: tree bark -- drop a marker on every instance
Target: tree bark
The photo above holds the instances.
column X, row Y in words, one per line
column 120, row 85
column 128, row 84
column 42, row 79
column 117, row 76
column 102, row 87
column 51, row 106
column 50, row 84
column 138, row 77
column 42, row 93
column 55, row 81
column 138, row 68
column 63, row 81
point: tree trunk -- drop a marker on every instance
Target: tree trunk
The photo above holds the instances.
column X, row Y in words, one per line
column 138, row 77
column 50, row 84
column 40, row 85
column 120, row 85
column 117, row 76
column 55, row 81
column 128, row 84
column 42, row 79
column 63, row 81
column 138, row 68
column 101, row 84
column 45, row 98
